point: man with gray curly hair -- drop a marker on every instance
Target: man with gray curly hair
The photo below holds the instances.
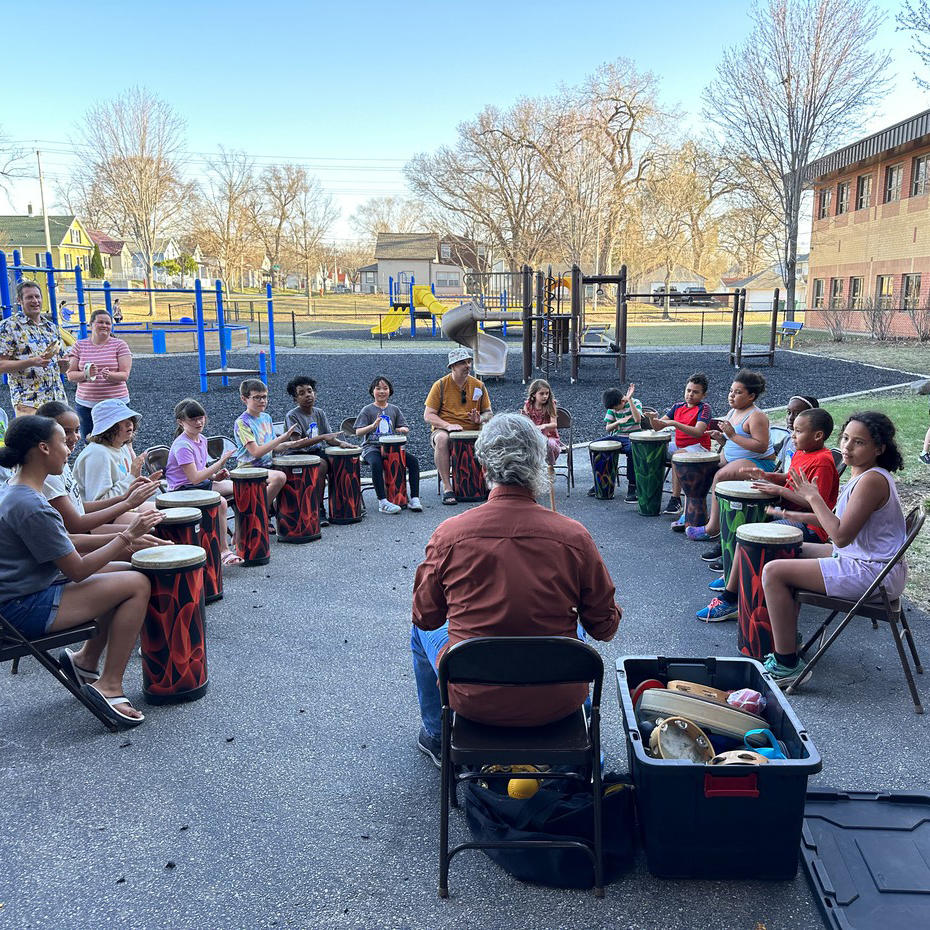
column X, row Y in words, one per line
column 506, row 568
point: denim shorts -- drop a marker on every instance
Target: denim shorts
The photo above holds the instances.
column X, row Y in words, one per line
column 33, row 614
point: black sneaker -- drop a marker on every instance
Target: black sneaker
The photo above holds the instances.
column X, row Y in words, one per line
column 429, row 746
column 924, row 457
column 673, row 506
column 591, row 492
column 324, row 520
column 712, row 554
column 630, row 496
column 716, row 566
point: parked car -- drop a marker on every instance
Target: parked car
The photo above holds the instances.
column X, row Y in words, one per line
column 341, row 289
column 658, row 296
column 698, row 297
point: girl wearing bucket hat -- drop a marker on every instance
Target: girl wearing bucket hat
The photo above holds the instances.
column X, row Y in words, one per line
column 108, row 465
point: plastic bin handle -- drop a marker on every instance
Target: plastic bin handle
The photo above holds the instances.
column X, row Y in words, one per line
column 728, row 786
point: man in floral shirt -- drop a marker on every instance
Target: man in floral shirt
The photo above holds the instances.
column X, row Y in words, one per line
column 31, row 353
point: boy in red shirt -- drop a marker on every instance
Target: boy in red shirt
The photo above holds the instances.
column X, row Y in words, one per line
column 812, row 429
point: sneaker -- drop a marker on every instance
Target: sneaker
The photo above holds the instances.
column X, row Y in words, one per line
column 716, row 566
column 430, row 746
column 324, row 520
column 700, row 534
column 386, row 506
column 924, row 457
column 591, row 491
column 673, row 506
column 712, row 554
column 717, row 610
column 414, row 504
column 630, row 496
column 679, row 525
column 784, row 677
column 718, row 584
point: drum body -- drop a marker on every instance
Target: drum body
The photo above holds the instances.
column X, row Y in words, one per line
column 252, row 541
column 648, row 448
column 345, row 486
column 695, row 472
column 394, row 458
column 467, row 474
column 180, row 525
column 758, row 544
column 174, row 646
column 740, row 503
column 212, row 534
column 604, row 456
column 298, row 504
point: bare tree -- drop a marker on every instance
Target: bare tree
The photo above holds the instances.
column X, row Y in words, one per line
column 12, row 162
column 915, row 18
column 387, row 214
column 313, row 213
column 130, row 159
column 272, row 207
column 803, row 80
column 353, row 256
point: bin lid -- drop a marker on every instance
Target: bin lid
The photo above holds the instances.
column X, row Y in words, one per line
column 867, row 856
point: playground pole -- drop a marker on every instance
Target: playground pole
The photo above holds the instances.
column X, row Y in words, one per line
column 5, row 305
column 107, row 297
column 573, row 336
column 263, row 368
column 50, row 279
column 274, row 366
column 79, row 286
column 413, row 319
column 527, row 323
column 621, row 323
column 17, row 266
column 540, row 302
column 221, row 328
column 774, row 328
column 201, row 336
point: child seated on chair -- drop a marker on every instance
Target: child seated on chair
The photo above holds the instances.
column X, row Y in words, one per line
column 796, row 404
column 812, row 429
column 691, row 418
column 624, row 415
column 381, row 418
column 867, row 530
column 540, row 407
column 187, row 468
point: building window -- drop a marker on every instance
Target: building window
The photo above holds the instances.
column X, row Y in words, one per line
column 823, row 207
column 842, row 197
column 893, row 176
column 447, row 279
column 884, row 290
column 67, row 261
column 818, row 293
column 863, row 191
column 106, row 262
column 836, row 292
column 445, row 251
column 911, row 289
column 855, row 293
column 76, row 236
column 39, row 259
column 919, row 178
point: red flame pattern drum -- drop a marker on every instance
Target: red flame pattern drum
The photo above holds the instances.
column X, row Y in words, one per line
column 467, row 475
column 212, row 534
column 345, row 486
column 252, row 542
column 394, row 459
column 298, row 504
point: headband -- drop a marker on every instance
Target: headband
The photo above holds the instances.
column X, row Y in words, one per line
column 810, row 406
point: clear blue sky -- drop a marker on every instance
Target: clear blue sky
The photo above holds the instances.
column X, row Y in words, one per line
column 354, row 89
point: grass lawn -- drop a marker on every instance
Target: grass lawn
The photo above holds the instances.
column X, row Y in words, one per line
column 908, row 355
column 908, row 412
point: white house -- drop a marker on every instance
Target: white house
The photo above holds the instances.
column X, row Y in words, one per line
column 760, row 288
column 416, row 257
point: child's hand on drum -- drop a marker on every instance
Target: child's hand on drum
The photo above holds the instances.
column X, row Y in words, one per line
column 753, row 473
column 147, row 542
column 143, row 522
column 766, row 486
column 139, row 492
column 403, row 430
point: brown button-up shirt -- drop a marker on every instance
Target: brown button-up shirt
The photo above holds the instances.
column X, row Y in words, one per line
column 512, row 568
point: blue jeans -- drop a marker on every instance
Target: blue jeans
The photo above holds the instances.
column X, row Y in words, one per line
column 86, row 419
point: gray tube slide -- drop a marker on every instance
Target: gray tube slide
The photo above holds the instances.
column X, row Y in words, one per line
column 460, row 325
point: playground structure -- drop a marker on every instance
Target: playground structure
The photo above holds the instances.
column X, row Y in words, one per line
column 164, row 336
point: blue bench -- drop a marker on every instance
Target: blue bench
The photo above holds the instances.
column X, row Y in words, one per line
column 788, row 330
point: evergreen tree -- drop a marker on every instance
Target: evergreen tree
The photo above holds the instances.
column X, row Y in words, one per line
column 96, row 264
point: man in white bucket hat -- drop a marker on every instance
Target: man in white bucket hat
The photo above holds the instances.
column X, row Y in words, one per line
column 455, row 402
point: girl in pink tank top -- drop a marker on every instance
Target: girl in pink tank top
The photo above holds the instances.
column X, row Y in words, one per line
column 866, row 529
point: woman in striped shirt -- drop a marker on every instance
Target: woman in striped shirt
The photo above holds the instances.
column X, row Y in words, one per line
column 100, row 366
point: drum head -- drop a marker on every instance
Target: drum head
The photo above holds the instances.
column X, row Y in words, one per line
column 186, row 499
column 649, row 435
column 392, row 439
column 181, row 515
column 722, row 719
column 686, row 457
column 338, row 450
column 295, row 461
column 605, row 445
column 161, row 558
column 680, row 738
column 465, row 435
column 245, row 473
column 774, row 533
column 742, row 490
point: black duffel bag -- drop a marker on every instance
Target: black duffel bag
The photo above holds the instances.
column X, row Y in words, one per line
column 563, row 812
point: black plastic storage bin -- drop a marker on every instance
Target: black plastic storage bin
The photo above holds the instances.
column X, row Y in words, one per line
column 705, row 821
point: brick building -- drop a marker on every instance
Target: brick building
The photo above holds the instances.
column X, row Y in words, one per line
column 870, row 238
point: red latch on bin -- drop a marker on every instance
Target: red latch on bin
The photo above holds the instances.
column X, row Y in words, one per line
column 724, row 786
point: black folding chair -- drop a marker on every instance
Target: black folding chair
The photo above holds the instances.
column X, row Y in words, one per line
column 573, row 742
column 563, row 419
column 875, row 605
column 14, row 645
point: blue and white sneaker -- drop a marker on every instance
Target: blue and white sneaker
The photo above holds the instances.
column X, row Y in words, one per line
column 718, row 584
column 718, row 610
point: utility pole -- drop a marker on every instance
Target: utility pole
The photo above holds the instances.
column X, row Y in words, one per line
column 48, row 238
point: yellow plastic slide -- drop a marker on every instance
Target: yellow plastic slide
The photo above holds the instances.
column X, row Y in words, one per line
column 390, row 323
column 425, row 298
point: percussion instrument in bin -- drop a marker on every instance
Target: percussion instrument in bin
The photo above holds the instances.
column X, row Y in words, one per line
column 711, row 715
column 212, row 533
column 757, row 544
column 394, row 458
column 345, row 485
column 604, row 455
column 695, row 469
column 174, row 646
column 298, row 503
column 739, row 503
column 679, row 738
column 467, row 475
column 180, row 525
column 648, row 449
column 249, row 493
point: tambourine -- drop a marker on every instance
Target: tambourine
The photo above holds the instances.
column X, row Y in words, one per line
column 703, row 691
column 720, row 718
column 739, row 757
column 680, row 738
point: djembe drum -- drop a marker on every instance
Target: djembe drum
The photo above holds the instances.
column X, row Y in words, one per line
column 695, row 469
column 174, row 646
column 467, row 475
column 345, row 485
column 212, row 533
column 604, row 455
column 758, row 544
column 648, row 447
column 298, row 503
column 180, row 525
column 740, row 503
column 252, row 541
column 394, row 459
